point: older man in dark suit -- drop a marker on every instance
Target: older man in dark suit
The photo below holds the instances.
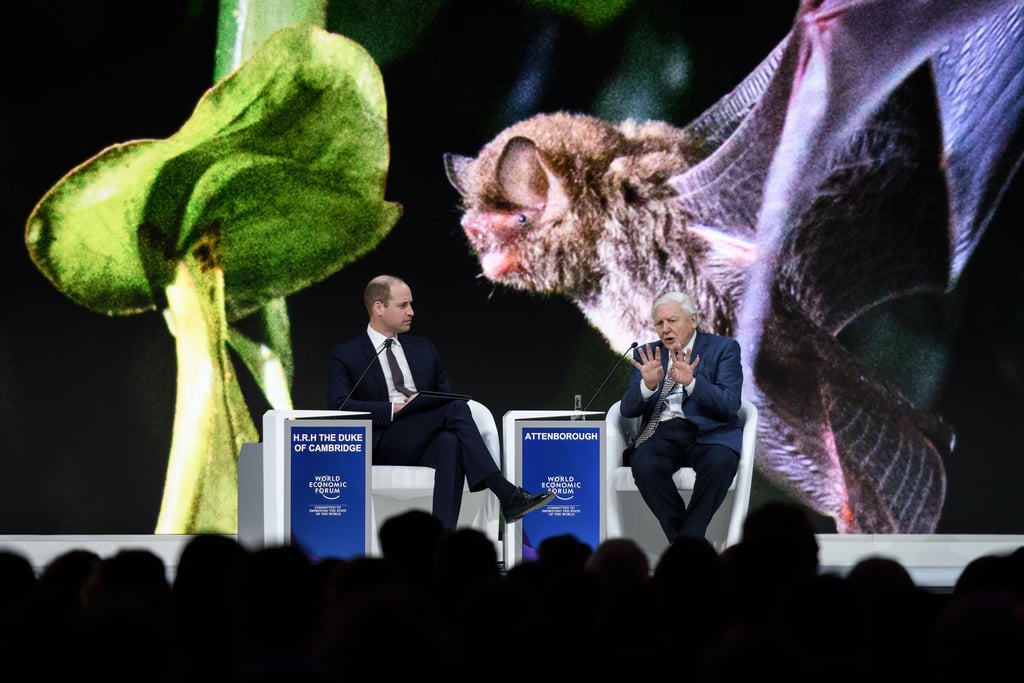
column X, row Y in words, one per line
column 442, row 435
column 685, row 388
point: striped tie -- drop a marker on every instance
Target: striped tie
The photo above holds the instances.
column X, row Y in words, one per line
column 652, row 424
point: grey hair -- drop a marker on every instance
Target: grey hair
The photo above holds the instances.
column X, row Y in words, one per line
column 681, row 298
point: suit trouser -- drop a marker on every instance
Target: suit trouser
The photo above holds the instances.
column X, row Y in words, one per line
column 447, row 439
column 673, row 445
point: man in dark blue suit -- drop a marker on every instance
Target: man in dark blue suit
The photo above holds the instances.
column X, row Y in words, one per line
column 443, row 435
column 685, row 388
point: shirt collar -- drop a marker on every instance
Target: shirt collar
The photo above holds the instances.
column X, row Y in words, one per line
column 693, row 340
column 377, row 339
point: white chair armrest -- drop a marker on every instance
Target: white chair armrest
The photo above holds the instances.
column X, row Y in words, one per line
column 488, row 429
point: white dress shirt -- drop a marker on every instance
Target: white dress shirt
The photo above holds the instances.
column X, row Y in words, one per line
column 378, row 340
column 674, row 402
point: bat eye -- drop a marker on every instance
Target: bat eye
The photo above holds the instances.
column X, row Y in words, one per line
column 522, row 220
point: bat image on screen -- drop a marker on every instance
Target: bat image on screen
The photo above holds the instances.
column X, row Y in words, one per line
column 857, row 166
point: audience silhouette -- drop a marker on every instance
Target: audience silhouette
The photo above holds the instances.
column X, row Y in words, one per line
column 205, row 604
column 436, row 603
column 19, row 606
column 126, row 602
column 409, row 540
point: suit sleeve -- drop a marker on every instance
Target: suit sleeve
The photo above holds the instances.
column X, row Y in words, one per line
column 439, row 379
column 718, row 391
column 342, row 374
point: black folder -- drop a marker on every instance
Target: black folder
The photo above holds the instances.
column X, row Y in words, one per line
column 425, row 400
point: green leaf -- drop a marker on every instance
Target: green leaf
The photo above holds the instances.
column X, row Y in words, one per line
column 263, row 344
column 286, row 159
column 593, row 13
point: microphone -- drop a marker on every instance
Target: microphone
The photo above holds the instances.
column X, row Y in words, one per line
column 376, row 357
column 610, row 373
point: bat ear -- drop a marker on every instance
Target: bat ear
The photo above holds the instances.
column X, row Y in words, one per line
column 455, row 168
column 526, row 180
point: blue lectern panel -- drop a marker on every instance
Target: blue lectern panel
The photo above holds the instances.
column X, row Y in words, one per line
column 327, row 501
column 564, row 458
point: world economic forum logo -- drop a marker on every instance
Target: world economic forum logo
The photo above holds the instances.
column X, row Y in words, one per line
column 563, row 486
column 328, row 485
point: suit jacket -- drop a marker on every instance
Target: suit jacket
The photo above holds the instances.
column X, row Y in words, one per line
column 349, row 360
column 715, row 399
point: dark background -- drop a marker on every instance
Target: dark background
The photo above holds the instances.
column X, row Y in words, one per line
column 87, row 401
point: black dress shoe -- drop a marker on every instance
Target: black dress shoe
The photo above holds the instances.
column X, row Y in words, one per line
column 523, row 502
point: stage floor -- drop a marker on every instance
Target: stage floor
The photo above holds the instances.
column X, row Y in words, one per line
column 934, row 561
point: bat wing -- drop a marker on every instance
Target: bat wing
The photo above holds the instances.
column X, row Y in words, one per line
column 980, row 86
column 883, row 140
column 733, row 142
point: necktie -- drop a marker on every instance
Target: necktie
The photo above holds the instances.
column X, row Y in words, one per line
column 652, row 424
column 396, row 372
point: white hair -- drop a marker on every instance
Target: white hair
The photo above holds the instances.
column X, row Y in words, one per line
column 681, row 298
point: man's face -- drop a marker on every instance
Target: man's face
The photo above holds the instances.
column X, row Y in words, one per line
column 673, row 325
column 397, row 315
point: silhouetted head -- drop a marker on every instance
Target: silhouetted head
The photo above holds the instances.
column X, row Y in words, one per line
column 563, row 551
column 619, row 562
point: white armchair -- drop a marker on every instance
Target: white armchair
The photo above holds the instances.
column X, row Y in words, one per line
column 628, row 515
column 397, row 488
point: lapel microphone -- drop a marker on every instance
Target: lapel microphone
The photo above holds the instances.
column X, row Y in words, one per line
column 376, row 357
column 610, row 373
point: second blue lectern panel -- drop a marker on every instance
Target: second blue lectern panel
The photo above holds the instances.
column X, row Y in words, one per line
column 565, row 459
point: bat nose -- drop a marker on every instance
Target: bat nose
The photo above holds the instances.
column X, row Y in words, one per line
column 496, row 265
